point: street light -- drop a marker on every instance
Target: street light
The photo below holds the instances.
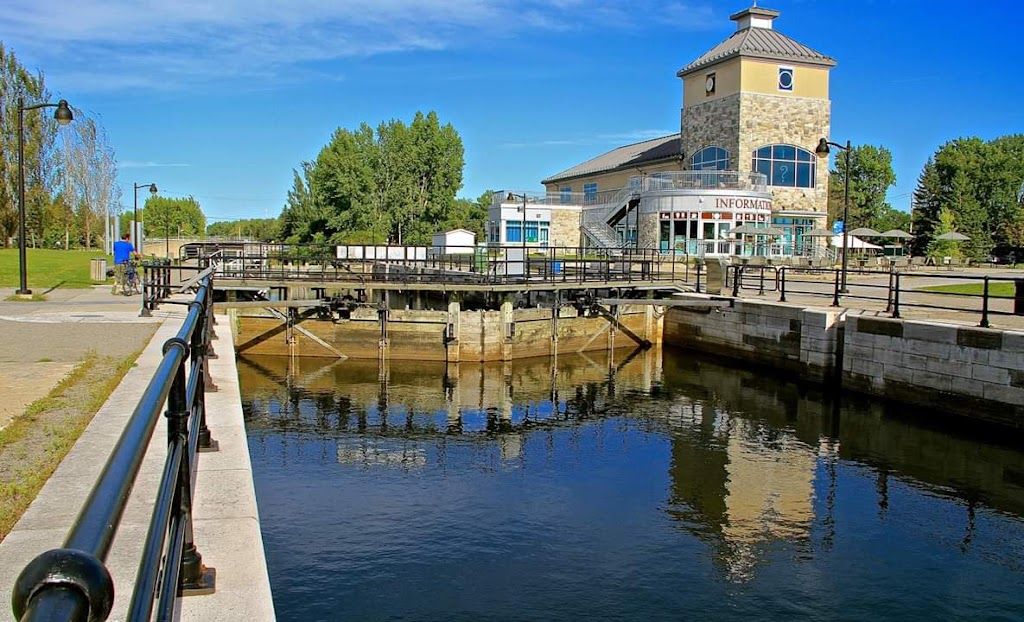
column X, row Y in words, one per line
column 135, row 213
column 512, row 197
column 822, row 151
column 63, row 116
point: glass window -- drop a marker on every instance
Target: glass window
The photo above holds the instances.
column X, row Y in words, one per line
column 531, row 231
column 785, row 165
column 589, row 193
column 566, row 195
column 513, row 232
column 710, row 159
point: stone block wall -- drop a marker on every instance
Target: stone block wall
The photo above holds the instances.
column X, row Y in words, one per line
column 958, row 369
column 780, row 336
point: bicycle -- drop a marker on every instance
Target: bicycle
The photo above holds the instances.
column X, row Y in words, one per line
column 132, row 280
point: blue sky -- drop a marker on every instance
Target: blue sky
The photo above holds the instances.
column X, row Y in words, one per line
column 221, row 100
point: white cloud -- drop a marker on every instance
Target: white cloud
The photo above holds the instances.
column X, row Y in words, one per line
column 147, row 164
column 118, row 44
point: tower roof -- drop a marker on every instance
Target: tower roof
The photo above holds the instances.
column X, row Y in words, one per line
column 755, row 38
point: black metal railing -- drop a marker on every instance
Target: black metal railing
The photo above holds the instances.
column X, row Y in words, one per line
column 72, row 583
column 899, row 291
column 470, row 265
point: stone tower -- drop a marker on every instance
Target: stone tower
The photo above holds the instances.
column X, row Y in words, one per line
column 760, row 100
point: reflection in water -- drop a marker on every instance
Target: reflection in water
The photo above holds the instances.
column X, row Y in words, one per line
column 567, row 462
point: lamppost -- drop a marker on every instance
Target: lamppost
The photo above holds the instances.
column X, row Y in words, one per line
column 135, row 213
column 822, row 151
column 63, row 116
column 512, row 196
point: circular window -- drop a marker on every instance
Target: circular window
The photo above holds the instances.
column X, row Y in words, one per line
column 786, row 79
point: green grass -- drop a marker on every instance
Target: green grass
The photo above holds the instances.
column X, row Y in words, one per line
column 999, row 289
column 48, row 269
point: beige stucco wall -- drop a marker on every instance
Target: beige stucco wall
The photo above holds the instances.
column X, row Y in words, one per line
column 727, row 82
column 762, row 76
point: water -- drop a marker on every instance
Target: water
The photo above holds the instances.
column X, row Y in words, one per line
column 647, row 486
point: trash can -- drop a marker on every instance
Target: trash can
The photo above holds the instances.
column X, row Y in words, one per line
column 480, row 258
column 715, row 275
column 98, row 269
column 556, row 267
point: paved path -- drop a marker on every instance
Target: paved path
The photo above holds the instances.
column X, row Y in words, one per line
column 226, row 520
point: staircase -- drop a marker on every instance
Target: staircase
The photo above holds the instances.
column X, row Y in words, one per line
column 594, row 223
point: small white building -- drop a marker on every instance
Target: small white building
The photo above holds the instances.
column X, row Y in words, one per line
column 541, row 221
column 454, row 242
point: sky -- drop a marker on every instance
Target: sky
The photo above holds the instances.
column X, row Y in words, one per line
column 222, row 100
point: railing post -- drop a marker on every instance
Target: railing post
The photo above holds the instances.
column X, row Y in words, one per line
column 760, row 289
column 200, row 348
column 736, row 276
column 896, row 297
column 835, row 291
column 782, row 286
column 147, row 292
column 984, row 305
column 888, row 293
column 698, row 276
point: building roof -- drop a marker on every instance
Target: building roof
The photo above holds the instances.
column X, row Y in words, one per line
column 757, row 42
column 654, row 150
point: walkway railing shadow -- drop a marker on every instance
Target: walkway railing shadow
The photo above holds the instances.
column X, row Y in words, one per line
column 72, row 582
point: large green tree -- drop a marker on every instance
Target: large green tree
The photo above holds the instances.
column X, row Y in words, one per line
column 260, row 229
column 871, row 176
column 976, row 181
column 167, row 217
column 393, row 183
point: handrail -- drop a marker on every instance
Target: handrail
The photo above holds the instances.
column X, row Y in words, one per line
column 894, row 293
column 72, row 583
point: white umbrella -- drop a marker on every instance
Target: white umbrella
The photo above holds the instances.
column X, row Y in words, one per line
column 818, row 233
column 866, row 232
column 955, row 236
column 896, row 233
column 854, row 242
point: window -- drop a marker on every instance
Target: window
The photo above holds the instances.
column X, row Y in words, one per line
column 566, row 195
column 710, row 159
column 513, row 232
column 786, row 79
column 531, row 231
column 589, row 193
column 785, row 165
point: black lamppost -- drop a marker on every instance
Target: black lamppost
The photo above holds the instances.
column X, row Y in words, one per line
column 135, row 212
column 822, row 151
column 63, row 116
column 512, row 197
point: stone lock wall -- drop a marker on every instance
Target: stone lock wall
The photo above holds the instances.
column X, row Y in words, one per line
column 966, row 370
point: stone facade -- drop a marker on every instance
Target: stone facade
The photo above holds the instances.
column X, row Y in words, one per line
column 714, row 123
column 776, row 119
column 565, row 227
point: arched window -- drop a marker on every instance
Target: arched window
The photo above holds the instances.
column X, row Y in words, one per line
column 710, row 159
column 786, row 165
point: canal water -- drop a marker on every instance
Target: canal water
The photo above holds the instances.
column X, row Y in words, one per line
column 633, row 486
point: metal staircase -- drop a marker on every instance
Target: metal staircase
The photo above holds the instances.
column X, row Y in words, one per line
column 594, row 223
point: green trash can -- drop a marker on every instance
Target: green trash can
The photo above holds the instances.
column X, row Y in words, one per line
column 480, row 258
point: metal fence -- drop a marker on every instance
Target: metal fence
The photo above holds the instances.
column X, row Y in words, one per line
column 899, row 292
column 450, row 265
column 72, row 583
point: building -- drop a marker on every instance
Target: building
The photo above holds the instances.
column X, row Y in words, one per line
column 754, row 108
column 454, row 242
column 547, row 220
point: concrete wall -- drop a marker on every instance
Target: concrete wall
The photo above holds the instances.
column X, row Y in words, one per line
column 452, row 335
column 966, row 370
column 960, row 370
column 781, row 336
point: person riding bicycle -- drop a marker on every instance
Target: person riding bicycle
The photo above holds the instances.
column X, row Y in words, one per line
column 123, row 251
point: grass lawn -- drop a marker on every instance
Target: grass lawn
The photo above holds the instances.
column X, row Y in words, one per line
column 996, row 290
column 48, row 269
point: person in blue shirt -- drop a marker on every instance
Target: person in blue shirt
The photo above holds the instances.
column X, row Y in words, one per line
column 123, row 250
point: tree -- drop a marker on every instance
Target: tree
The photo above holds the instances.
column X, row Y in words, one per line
column 166, row 217
column 90, row 175
column 395, row 183
column 17, row 84
column 261, row 229
column 871, row 176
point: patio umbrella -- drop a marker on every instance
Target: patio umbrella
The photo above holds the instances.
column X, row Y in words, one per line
column 896, row 233
column 955, row 236
column 745, row 230
column 855, row 243
column 770, row 231
column 866, row 232
column 818, row 233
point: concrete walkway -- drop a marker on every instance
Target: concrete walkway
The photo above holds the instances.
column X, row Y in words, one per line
column 226, row 519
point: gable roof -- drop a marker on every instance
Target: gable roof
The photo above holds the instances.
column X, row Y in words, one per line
column 654, row 150
column 759, row 43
